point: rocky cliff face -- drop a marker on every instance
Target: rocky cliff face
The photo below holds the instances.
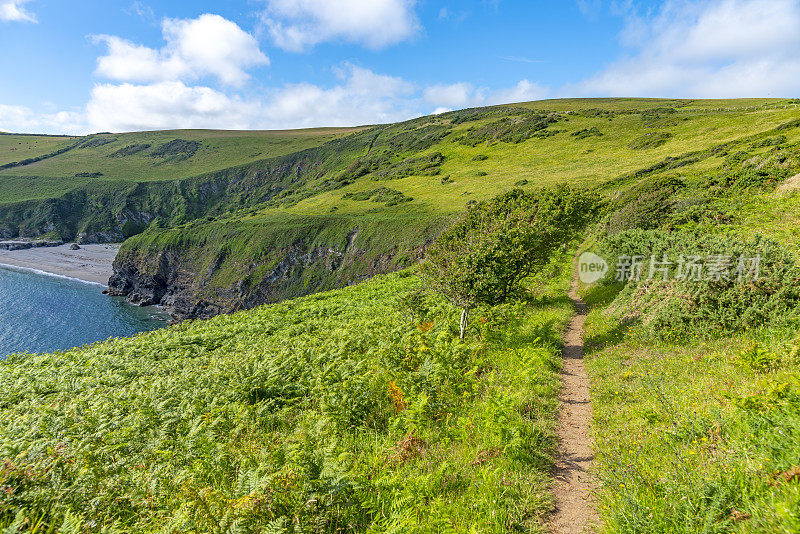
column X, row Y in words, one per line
column 198, row 282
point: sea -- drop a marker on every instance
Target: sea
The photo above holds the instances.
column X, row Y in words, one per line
column 46, row 313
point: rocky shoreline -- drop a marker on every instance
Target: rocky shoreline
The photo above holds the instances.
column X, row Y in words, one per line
column 25, row 244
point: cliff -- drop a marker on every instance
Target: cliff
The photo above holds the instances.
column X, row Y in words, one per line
column 202, row 270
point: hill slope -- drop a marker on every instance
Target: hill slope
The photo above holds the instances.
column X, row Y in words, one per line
column 358, row 409
column 311, row 210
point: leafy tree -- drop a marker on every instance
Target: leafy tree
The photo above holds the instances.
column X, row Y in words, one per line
column 494, row 245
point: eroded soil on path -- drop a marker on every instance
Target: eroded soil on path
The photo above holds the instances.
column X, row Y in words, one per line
column 575, row 511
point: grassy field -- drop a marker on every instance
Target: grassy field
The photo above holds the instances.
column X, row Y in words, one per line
column 561, row 158
column 135, row 157
column 356, row 409
column 342, row 411
column 14, row 148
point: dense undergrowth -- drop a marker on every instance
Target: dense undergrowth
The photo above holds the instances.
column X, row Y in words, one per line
column 351, row 411
column 695, row 389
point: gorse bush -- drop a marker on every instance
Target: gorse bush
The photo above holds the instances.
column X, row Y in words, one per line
column 646, row 206
column 515, row 129
column 650, row 140
column 763, row 289
column 587, row 132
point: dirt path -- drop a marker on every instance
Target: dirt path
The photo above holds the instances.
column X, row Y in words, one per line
column 575, row 511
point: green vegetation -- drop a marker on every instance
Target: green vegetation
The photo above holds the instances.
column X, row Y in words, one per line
column 333, row 412
column 695, row 391
column 485, row 254
column 359, row 410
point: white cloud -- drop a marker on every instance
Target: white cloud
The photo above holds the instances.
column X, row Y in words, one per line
column 711, row 48
column 21, row 119
column 524, row 91
column 363, row 97
column 14, row 11
column 463, row 95
column 297, row 25
column 142, row 10
column 457, row 95
column 209, row 45
column 360, row 97
column 165, row 105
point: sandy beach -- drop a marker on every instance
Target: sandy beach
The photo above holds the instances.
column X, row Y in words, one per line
column 92, row 263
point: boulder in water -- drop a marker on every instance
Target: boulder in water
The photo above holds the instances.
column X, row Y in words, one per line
column 74, row 246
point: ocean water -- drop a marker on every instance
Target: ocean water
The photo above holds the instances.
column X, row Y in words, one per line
column 41, row 313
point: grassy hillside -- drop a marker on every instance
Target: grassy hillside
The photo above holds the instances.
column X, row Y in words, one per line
column 357, row 409
column 343, row 411
column 421, row 170
column 695, row 389
column 138, row 157
column 16, row 148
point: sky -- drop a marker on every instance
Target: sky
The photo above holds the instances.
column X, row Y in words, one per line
column 121, row 65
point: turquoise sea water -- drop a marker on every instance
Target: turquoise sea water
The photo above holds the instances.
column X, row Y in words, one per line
column 41, row 313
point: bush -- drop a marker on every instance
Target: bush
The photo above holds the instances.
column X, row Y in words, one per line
column 651, row 140
column 429, row 165
column 391, row 197
column 587, row 132
column 677, row 308
column 646, row 206
column 483, row 256
column 509, row 129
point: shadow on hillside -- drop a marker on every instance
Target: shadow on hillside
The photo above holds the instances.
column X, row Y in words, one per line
column 613, row 336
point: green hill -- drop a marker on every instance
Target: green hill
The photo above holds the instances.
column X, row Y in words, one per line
column 226, row 220
column 358, row 410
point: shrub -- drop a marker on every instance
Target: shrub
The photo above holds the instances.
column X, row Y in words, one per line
column 129, row 150
column 509, row 129
column 483, row 256
column 646, row 206
column 676, row 308
column 429, row 165
column 177, row 150
column 389, row 196
column 587, row 132
column 651, row 140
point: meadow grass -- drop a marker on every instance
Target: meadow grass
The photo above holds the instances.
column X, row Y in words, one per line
column 14, row 148
column 219, row 150
column 557, row 159
column 339, row 411
column 694, row 437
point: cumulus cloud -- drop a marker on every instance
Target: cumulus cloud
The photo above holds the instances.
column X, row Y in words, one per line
column 21, row 119
column 14, row 11
column 711, row 48
column 463, row 95
column 209, row 45
column 165, row 105
column 524, row 91
column 361, row 97
column 297, row 25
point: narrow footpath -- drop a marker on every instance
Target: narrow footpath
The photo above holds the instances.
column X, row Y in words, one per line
column 575, row 511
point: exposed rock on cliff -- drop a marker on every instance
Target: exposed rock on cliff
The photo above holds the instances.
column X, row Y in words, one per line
column 193, row 277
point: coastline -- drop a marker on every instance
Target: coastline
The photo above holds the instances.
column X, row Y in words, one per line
column 91, row 264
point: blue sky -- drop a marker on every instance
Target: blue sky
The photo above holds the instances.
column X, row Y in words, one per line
column 120, row 65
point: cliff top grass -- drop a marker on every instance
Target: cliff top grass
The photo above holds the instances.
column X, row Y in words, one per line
column 138, row 156
column 340, row 411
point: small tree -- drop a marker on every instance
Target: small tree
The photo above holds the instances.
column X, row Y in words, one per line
column 494, row 245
